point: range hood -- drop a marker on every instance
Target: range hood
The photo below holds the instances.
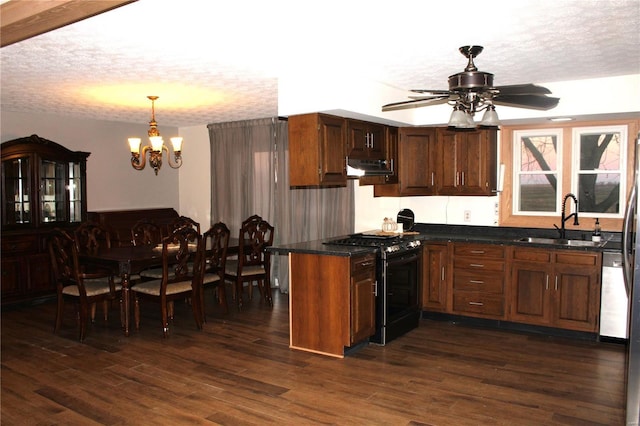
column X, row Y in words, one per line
column 360, row 167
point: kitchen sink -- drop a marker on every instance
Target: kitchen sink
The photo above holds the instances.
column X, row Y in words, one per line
column 560, row 241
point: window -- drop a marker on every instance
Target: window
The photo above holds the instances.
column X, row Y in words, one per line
column 536, row 173
column 599, row 164
column 593, row 160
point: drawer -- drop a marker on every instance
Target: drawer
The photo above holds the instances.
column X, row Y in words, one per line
column 360, row 263
column 12, row 245
column 584, row 259
column 533, row 255
column 480, row 250
column 480, row 282
column 478, row 303
column 478, row 264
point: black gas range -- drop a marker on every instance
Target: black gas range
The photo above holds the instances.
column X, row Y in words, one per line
column 387, row 243
column 398, row 278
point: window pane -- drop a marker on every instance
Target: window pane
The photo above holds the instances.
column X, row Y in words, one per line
column 599, row 192
column 600, row 151
column 538, row 153
column 537, row 194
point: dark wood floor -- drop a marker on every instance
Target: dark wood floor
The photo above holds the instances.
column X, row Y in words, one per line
column 240, row 371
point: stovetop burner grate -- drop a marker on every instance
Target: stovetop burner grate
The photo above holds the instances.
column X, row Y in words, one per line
column 367, row 240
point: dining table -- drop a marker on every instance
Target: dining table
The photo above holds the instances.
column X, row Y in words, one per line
column 131, row 260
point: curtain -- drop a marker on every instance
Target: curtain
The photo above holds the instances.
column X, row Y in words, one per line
column 250, row 175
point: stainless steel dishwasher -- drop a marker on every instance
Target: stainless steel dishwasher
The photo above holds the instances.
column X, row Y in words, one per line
column 614, row 303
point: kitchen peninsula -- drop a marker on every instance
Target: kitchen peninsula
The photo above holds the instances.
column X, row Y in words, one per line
column 486, row 273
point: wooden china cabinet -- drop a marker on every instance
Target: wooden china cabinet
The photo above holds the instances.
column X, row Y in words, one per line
column 43, row 187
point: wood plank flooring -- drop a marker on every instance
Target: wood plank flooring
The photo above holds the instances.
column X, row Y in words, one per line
column 240, row 371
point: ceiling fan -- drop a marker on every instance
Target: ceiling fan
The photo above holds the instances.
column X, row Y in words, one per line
column 473, row 91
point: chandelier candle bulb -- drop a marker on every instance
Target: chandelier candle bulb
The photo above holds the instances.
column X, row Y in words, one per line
column 134, row 144
column 177, row 144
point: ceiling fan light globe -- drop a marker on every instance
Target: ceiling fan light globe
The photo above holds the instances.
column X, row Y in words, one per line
column 490, row 118
column 457, row 118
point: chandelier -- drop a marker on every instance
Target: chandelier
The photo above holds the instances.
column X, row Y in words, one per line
column 156, row 146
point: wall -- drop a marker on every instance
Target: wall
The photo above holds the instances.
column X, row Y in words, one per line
column 112, row 184
column 195, row 175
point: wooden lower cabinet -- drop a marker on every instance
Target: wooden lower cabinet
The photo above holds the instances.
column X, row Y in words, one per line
column 435, row 277
column 331, row 301
column 479, row 276
column 26, row 268
column 550, row 288
column 556, row 288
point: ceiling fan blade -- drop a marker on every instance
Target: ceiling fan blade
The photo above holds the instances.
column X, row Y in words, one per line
column 526, row 101
column 433, row 92
column 415, row 103
column 523, row 89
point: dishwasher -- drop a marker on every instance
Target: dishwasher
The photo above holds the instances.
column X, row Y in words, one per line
column 614, row 302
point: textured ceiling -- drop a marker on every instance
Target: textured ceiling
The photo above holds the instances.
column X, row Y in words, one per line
column 212, row 62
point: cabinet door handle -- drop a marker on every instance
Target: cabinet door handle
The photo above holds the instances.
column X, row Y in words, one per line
column 371, row 139
column 432, row 178
column 476, row 265
column 476, row 303
column 476, row 281
column 457, row 178
column 442, row 276
column 462, row 178
column 546, row 286
column 477, row 251
column 375, row 288
column 556, row 283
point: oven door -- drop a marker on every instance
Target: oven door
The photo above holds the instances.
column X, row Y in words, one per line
column 397, row 301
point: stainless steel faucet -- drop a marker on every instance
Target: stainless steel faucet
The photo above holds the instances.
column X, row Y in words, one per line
column 564, row 218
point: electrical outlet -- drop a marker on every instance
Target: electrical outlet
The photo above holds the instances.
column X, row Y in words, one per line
column 467, row 215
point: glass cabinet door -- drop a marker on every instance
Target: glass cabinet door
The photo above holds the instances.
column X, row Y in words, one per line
column 75, row 192
column 16, row 191
column 53, row 181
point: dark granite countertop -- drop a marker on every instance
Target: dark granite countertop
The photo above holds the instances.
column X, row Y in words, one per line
column 317, row 247
column 462, row 233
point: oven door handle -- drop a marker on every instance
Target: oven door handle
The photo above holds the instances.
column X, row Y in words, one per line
column 404, row 258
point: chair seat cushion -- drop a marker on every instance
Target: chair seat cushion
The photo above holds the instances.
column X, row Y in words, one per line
column 231, row 268
column 157, row 272
column 210, row 278
column 153, row 287
column 92, row 287
column 153, row 273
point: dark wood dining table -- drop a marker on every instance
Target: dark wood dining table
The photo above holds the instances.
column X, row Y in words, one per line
column 131, row 260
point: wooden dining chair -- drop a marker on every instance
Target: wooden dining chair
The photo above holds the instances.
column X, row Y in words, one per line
column 145, row 232
column 184, row 221
column 181, row 277
column 253, row 262
column 72, row 282
column 215, row 242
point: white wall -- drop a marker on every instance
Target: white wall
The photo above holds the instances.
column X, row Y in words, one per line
column 112, row 184
column 195, row 175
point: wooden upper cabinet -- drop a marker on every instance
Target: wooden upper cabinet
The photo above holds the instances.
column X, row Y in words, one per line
column 317, row 153
column 468, row 162
column 366, row 140
column 416, row 164
column 391, row 139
